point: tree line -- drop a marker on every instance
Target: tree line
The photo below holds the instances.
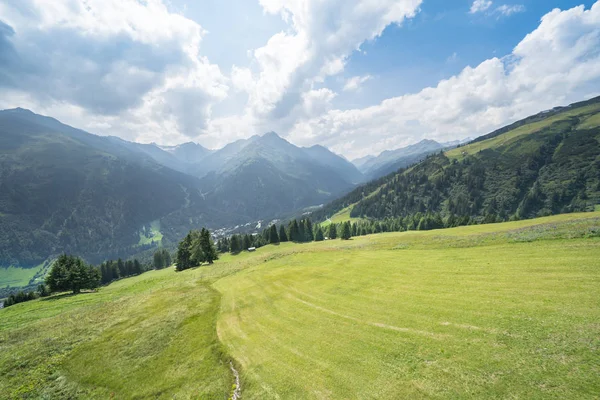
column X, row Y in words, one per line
column 297, row 231
column 71, row 273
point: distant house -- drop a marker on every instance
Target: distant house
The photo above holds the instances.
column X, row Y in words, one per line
column 251, row 248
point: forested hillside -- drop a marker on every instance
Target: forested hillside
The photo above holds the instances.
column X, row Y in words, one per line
column 64, row 190
column 546, row 164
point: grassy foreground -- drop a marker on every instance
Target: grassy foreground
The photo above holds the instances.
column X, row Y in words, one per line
column 493, row 311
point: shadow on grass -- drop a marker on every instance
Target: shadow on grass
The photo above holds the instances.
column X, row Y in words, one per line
column 64, row 295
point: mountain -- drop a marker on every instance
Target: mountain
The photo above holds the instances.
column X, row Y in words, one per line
column 66, row 190
column 188, row 153
column 337, row 163
column 392, row 160
column 545, row 164
column 359, row 162
column 266, row 176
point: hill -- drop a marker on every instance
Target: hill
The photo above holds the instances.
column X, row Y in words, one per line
column 545, row 164
column 499, row 310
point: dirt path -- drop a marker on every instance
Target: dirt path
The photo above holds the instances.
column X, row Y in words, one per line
column 237, row 391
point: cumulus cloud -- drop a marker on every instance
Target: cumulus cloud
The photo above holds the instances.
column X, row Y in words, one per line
column 356, row 82
column 114, row 60
column 135, row 69
column 480, row 98
column 321, row 37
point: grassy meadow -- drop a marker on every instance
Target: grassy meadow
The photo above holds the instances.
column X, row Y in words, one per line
column 506, row 310
column 15, row 277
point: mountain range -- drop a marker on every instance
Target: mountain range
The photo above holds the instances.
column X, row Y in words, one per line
column 66, row 190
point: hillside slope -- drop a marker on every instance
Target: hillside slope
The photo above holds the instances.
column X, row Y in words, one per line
column 546, row 164
column 499, row 310
column 65, row 190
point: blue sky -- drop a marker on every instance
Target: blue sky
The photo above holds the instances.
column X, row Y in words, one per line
column 359, row 76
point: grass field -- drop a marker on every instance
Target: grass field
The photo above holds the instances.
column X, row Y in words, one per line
column 341, row 216
column 154, row 236
column 15, row 277
column 493, row 311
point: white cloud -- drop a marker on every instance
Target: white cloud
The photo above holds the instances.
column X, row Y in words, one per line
column 129, row 66
column 134, row 69
column 507, row 10
column 479, row 99
column 321, row 37
column 480, row 6
column 356, row 82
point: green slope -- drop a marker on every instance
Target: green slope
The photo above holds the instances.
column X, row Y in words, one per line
column 546, row 164
column 500, row 310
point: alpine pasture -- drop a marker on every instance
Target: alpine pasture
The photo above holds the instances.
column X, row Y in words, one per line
column 505, row 310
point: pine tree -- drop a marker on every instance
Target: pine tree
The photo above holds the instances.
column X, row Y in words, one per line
column 319, row 234
column 346, row 232
column 184, row 255
column 308, row 231
column 71, row 273
column 158, row 261
column 332, row 233
column 301, row 232
column 208, row 247
column 246, row 242
column 294, row 231
column 273, row 236
column 235, row 245
column 282, row 235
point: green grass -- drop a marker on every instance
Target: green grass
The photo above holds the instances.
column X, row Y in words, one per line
column 341, row 216
column 590, row 122
column 154, row 236
column 515, row 134
column 493, row 311
column 477, row 312
column 16, row 277
column 152, row 336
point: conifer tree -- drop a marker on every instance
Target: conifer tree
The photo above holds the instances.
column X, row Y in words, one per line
column 308, row 231
column 235, row 245
column 273, row 236
column 246, row 242
column 346, row 233
column 184, row 255
column 282, row 234
column 294, row 231
column 319, row 234
column 208, row 247
column 301, row 233
column 158, row 261
column 332, row 233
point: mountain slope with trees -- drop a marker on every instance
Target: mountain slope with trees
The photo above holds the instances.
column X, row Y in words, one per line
column 66, row 190
column 546, row 164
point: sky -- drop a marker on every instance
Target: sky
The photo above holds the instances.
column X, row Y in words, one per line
column 357, row 76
